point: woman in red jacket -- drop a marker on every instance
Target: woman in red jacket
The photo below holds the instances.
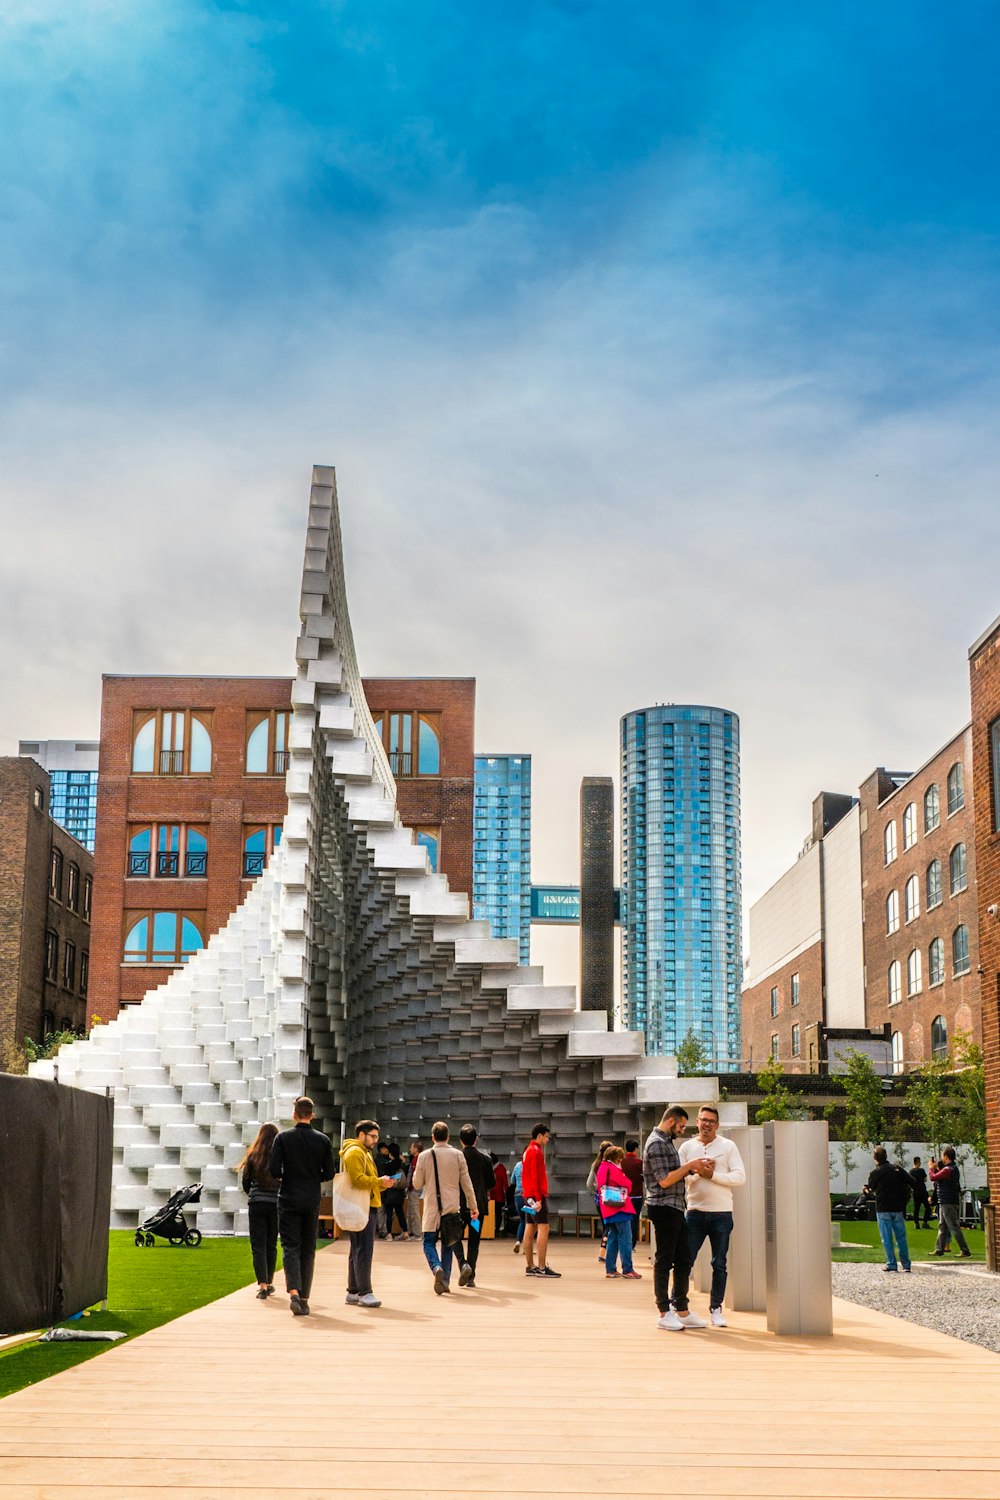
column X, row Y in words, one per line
column 614, row 1190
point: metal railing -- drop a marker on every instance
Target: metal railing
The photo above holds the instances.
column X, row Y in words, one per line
column 196, row 865
column 401, row 762
column 280, row 759
column 167, row 863
column 138, row 865
column 171, row 762
column 253, row 865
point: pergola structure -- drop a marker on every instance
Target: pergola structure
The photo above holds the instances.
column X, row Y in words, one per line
column 352, row 973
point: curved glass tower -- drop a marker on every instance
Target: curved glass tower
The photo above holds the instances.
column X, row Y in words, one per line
column 681, row 928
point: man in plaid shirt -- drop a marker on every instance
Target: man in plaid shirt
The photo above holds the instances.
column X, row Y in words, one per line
column 663, row 1175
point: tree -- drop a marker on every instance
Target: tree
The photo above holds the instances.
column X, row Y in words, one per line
column 970, row 1085
column 932, row 1108
column 864, row 1116
column 777, row 1102
column 692, row 1054
column 843, row 1144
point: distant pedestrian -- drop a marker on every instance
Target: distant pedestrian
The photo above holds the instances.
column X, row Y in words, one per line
column 947, row 1180
column 632, row 1167
column 535, row 1190
column 614, row 1191
column 921, row 1201
column 890, row 1186
column 498, row 1194
column 710, row 1200
column 443, row 1176
column 382, row 1161
column 394, row 1196
column 483, row 1179
column 664, row 1176
column 303, row 1160
column 602, row 1151
column 413, row 1206
column 357, row 1157
column 518, row 1196
column 262, row 1194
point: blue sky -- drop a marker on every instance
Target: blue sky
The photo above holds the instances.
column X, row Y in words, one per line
column 656, row 351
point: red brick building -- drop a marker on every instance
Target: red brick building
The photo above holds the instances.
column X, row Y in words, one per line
column 918, row 862
column 984, row 671
column 45, row 908
column 191, row 799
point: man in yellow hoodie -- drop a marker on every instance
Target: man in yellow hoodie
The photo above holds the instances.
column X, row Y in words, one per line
column 358, row 1161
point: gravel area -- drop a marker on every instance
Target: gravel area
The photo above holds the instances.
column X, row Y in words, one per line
column 964, row 1303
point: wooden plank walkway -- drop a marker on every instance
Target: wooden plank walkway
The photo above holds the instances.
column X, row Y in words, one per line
column 518, row 1388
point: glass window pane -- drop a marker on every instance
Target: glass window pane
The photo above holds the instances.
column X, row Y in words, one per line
column 201, row 747
column 136, row 942
column 191, row 940
column 164, row 937
column 429, row 761
column 257, row 749
column 142, row 750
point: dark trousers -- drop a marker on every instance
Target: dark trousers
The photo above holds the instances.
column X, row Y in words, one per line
column 672, row 1252
column 923, row 1203
column 264, row 1240
column 298, row 1228
column 717, row 1228
column 392, row 1202
column 637, row 1205
column 473, row 1238
column 359, row 1262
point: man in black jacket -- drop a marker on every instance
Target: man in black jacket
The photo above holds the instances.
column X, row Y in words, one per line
column 483, row 1178
column 303, row 1160
column 918, row 1177
column 891, row 1188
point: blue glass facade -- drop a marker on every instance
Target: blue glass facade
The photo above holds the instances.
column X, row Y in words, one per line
column 501, row 847
column 681, row 935
column 74, row 803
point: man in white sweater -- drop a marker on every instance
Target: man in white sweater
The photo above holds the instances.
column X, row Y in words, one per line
column 710, row 1199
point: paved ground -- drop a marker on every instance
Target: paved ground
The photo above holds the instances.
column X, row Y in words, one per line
column 521, row 1388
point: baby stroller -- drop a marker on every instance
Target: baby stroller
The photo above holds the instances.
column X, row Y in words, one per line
column 169, row 1222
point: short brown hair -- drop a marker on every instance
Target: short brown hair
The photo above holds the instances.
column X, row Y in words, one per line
column 615, row 1154
column 303, row 1107
column 709, row 1109
column 365, row 1127
column 439, row 1131
column 675, row 1112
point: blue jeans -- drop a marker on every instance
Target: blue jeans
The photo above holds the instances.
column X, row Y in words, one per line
column 889, row 1225
column 518, row 1205
column 717, row 1228
column 437, row 1262
column 619, row 1232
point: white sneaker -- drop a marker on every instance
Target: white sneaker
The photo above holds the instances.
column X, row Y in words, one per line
column 369, row 1300
column 718, row 1321
column 671, row 1322
column 691, row 1320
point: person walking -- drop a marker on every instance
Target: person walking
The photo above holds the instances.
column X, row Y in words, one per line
column 302, row 1159
column 947, row 1179
column 664, row 1176
column 710, row 1200
column 498, row 1194
column 394, row 1196
column 383, row 1162
column 413, row 1210
column 535, row 1191
column 918, row 1177
column 483, row 1179
column 632, row 1167
column 442, row 1174
column 357, row 1157
column 262, row 1194
column 891, row 1187
column 515, row 1188
column 614, row 1192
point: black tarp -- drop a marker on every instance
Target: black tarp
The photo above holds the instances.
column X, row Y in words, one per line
column 55, row 1201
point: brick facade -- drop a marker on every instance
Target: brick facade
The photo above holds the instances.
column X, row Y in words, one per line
column 31, row 1002
column 984, row 671
column 759, row 1026
column 226, row 802
column 956, row 998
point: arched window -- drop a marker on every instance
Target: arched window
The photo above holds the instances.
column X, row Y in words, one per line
column 933, row 884
column 935, row 962
column 428, row 748
column 911, row 898
column 144, row 746
column 890, row 842
column 201, row 748
column 139, row 848
column 956, row 788
column 430, row 839
column 161, row 937
column 56, row 875
column 960, row 949
column 932, row 809
column 267, row 742
column 910, row 826
column 412, row 742
column 914, row 976
column 895, row 982
column 892, row 912
column 957, row 868
column 258, row 843
column 137, row 941
column 172, row 742
column 73, row 887
column 897, row 1052
column 939, row 1039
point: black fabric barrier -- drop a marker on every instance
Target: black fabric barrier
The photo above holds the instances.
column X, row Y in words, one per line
column 55, row 1201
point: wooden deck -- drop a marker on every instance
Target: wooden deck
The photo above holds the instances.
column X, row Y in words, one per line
column 519, row 1388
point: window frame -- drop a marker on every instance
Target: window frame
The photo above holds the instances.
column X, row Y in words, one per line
column 894, row 982
column 910, row 834
column 775, row 1047
column 796, row 1040
column 994, row 749
column 132, row 917
column 939, row 1045
column 166, row 864
column 272, row 838
column 73, row 886
column 956, row 971
column 956, row 778
column 898, row 1060
column 892, row 912
column 69, row 965
column 914, row 973
column 276, row 760
column 911, row 898
column 55, row 875
column 405, row 764
column 931, row 891
column 932, row 799
column 775, row 1001
column 935, row 948
column 142, row 716
column 88, row 896
column 51, row 955
column 961, row 850
column 889, row 845
column 84, row 972
column 795, row 989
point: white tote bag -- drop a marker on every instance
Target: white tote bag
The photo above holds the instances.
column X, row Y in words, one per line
column 350, row 1205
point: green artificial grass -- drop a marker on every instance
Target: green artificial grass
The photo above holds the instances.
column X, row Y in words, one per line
column 145, row 1288
column 920, row 1241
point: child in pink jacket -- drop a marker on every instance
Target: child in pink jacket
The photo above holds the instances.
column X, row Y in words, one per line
column 614, row 1189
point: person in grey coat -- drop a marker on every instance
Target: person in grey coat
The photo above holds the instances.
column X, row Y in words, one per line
column 441, row 1173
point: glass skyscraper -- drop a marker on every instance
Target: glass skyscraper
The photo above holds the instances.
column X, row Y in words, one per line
column 681, row 939
column 501, row 847
column 72, row 768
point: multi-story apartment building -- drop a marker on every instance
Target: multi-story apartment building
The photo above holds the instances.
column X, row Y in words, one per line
column 597, row 895
column 501, row 859
column 680, row 799
column 46, row 880
column 72, row 768
column 192, row 801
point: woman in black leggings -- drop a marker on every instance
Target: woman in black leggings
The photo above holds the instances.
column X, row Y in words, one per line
column 262, row 1190
column 394, row 1197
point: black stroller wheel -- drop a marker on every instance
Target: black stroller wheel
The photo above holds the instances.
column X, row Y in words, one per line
column 176, row 1239
column 140, row 1238
column 193, row 1239
column 150, row 1241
